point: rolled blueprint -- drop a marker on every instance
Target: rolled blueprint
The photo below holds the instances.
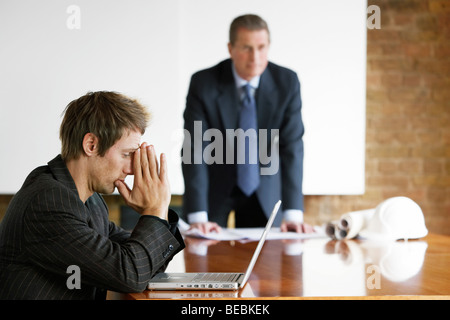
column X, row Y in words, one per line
column 333, row 230
column 353, row 222
column 349, row 225
column 330, row 228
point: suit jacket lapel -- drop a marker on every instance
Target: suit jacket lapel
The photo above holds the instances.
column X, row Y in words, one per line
column 266, row 99
column 228, row 101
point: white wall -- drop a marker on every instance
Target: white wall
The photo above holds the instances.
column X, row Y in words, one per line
column 149, row 49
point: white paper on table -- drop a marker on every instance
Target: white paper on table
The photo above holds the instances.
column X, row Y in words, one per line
column 252, row 234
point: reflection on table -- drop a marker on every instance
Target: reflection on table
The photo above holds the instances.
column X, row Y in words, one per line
column 319, row 267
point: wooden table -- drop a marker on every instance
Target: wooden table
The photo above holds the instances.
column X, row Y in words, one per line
column 320, row 269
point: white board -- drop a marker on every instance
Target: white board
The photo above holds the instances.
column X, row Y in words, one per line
column 149, row 49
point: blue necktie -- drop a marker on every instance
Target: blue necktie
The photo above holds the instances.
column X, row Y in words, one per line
column 248, row 173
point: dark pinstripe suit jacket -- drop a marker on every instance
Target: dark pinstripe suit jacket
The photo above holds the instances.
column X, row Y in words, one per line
column 47, row 228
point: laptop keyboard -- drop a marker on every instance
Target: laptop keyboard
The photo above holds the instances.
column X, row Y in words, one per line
column 215, row 277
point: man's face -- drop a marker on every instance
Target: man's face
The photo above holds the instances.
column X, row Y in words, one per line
column 249, row 52
column 116, row 164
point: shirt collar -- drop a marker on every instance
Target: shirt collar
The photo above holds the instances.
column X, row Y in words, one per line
column 254, row 82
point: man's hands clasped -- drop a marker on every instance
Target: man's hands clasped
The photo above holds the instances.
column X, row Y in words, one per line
column 150, row 194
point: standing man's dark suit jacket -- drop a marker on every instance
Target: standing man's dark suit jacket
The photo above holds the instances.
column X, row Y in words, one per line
column 47, row 228
column 213, row 99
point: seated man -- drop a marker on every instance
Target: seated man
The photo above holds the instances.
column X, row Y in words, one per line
column 58, row 221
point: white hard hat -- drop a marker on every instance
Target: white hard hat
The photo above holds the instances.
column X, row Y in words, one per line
column 396, row 218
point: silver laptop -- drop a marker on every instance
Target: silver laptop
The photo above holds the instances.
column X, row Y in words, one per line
column 209, row 280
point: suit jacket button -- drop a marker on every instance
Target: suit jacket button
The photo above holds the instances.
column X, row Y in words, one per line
column 170, row 247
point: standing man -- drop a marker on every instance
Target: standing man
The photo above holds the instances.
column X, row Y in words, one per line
column 250, row 93
column 58, row 221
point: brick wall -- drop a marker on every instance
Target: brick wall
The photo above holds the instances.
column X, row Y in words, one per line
column 408, row 114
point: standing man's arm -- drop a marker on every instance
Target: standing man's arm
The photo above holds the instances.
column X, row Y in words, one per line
column 195, row 170
column 291, row 158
